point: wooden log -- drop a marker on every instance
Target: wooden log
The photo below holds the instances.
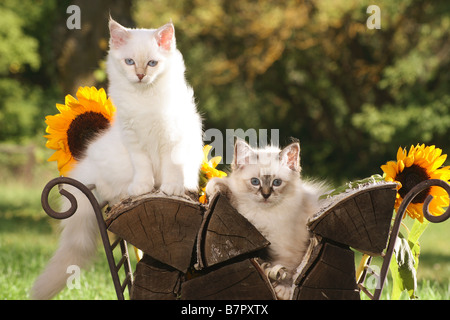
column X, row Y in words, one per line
column 226, row 234
column 155, row 281
column 328, row 274
column 163, row 227
column 243, row 280
column 193, row 254
column 360, row 218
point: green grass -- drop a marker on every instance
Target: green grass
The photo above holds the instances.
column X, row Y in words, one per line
column 28, row 238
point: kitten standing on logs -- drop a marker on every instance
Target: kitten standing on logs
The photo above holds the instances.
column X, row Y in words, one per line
column 154, row 143
column 266, row 188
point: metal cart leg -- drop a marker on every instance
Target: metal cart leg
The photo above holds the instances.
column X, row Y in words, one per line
column 113, row 267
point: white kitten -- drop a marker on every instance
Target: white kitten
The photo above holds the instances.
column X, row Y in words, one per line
column 265, row 187
column 155, row 141
column 155, row 109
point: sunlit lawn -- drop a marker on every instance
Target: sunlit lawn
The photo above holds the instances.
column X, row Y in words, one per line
column 28, row 239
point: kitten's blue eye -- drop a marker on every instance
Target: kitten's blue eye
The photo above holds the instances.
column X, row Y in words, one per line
column 152, row 63
column 277, row 182
column 129, row 62
column 254, row 181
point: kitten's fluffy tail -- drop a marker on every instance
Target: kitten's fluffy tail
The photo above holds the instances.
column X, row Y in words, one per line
column 78, row 244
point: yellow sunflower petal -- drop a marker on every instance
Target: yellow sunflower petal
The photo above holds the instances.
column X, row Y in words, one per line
column 65, row 170
column 56, row 156
column 215, row 161
column 400, row 166
column 54, row 144
column 438, row 162
column 390, row 169
column 409, row 161
column 62, row 107
column 442, row 173
column 202, row 199
column 206, row 150
column 401, row 154
column 70, row 102
column 59, row 121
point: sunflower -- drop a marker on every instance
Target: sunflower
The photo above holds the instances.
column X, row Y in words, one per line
column 411, row 168
column 208, row 170
column 77, row 123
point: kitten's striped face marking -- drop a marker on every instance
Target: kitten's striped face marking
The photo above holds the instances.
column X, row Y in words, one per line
column 267, row 175
column 266, row 186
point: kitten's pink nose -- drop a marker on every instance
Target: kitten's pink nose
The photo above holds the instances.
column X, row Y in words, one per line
column 140, row 76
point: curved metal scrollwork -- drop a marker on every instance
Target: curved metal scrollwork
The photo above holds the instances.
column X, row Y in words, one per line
column 430, row 217
column 73, row 201
column 414, row 192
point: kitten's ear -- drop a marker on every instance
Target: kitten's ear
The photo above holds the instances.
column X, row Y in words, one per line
column 243, row 154
column 290, row 156
column 165, row 37
column 118, row 34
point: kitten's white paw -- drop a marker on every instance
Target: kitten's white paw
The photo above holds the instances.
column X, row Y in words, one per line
column 211, row 188
column 283, row 292
column 173, row 188
column 215, row 185
column 277, row 272
column 137, row 189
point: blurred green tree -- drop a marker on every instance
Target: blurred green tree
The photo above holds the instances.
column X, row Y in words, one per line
column 313, row 69
column 41, row 60
column 18, row 51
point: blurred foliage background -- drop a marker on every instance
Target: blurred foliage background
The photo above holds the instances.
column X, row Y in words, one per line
column 311, row 69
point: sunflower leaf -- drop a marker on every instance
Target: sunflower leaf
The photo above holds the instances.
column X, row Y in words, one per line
column 413, row 239
column 417, row 230
column 404, row 268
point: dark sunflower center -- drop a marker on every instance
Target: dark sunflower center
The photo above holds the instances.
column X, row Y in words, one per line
column 409, row 178
column 83, row 129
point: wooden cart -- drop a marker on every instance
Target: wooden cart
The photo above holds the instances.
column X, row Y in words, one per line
column 193, row 251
